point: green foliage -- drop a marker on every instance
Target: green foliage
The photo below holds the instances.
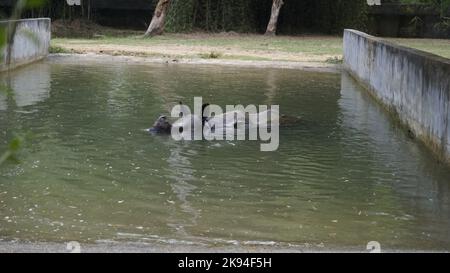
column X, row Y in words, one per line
column 181, row 16
column 441, row 6
column 31, row 4
column 211, row 55
column 326, row 16
column 14, row 146
column 2, row 36
column 6, row 39
column 57, row 49
column 334, row 60
column 334, row 16
column 209, row 15
column 297, row 16
column 2, row 42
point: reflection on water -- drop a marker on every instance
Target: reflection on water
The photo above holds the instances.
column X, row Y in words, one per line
column 345, row 175
column 181, row 173
column 26, row 86
column 425, row 195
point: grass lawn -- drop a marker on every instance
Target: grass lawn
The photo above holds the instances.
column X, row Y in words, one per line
column 248, row 47
column 439, row 47
column 314, row 48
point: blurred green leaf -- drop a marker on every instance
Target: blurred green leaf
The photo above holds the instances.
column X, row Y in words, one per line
column 6, row 89
column 14, row 147
column 31, row 4
column 2, row 42
column 15, row 144
column 5, row 156
column 2, row 36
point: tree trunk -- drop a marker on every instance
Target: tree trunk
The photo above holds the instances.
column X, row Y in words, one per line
column 157, row 25
column 272, row 26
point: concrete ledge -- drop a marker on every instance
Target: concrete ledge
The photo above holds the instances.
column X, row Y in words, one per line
column 413, row 84
column 31, row 42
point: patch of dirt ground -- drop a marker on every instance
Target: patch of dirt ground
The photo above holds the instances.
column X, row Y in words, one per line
column 178, row 51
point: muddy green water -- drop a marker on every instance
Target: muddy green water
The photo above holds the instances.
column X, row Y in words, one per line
column 346, row 175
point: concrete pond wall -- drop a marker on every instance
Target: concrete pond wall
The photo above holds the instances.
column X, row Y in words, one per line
column 31, row 42
column 412, row 84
